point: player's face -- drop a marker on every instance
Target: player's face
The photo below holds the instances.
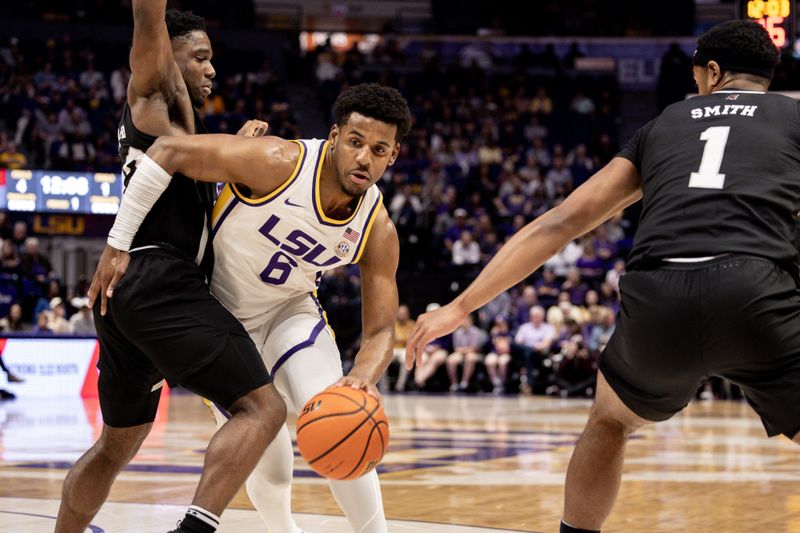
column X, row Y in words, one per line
column 361, row 150
column 193, row 55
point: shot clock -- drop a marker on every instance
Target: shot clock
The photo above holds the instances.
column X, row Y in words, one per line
column 779, row 17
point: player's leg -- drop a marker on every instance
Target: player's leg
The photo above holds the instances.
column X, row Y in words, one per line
column 647, row 373
column 129, row 390
column 89, row 480
column 256, row 411
column 269, row 485
column 595, row 470
column 360, row 499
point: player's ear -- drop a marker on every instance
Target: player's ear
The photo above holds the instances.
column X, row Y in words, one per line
column 333, row 135
column 714, row 73
column 394, row 154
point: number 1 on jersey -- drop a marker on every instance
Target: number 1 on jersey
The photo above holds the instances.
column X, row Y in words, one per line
column 708, row 177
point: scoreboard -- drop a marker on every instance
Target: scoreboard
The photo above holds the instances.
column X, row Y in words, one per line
column 779, row 17
column 49, row 191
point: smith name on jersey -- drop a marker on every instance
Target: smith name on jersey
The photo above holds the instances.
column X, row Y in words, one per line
column 276, row 247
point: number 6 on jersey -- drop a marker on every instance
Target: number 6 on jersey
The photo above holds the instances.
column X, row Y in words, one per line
column 708, row 177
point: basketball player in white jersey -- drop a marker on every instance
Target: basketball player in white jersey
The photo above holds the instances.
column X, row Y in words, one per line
column 291, row 210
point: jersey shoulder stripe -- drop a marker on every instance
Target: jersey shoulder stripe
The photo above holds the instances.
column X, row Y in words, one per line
column 225, row 204
column 271, row 196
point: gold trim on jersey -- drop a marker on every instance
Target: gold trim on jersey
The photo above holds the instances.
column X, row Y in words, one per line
column 317, row 201
column 225, row 197
column 367, row 231
column 324, row 314
column 266, row 198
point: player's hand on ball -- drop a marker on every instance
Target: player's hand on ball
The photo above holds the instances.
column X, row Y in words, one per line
column 431, row 326
column 253, row 128
column 110, row 268
column 359, row 383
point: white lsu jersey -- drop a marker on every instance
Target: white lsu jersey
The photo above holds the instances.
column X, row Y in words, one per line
column 273, row 248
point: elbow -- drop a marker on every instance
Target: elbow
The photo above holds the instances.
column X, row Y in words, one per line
column 164, row 153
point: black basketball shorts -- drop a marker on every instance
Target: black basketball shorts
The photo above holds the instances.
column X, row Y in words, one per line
column 737, row 317
column 163, row 323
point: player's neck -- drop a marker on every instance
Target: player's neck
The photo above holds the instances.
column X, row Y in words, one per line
column 740, row 85
column 334, row 201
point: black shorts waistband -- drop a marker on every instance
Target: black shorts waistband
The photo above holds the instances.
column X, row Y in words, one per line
column 717, row 262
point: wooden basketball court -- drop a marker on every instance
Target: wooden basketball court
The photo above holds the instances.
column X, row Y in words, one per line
column 456, row 464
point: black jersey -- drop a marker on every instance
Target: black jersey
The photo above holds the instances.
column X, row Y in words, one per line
column 180, row 221
column 720, row 174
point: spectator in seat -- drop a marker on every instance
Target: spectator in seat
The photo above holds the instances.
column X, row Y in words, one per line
column 13, row 322
column 468, row 340
column 589, row 264
column 533, row 340
column 466, row 251
column 42, row 325
column 498, row 359
column 57, row 320
column 523, row 305
column 574, row 370
column 19, row 234
column 9, row 258
column 601, row 333
column 12, row 158
column 34, row 264
column 548, row 288
column 575, row 286
column 434, row 356
column 82, row 322
column 613, row 275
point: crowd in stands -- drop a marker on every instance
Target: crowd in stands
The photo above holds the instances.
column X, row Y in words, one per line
column 32, row 297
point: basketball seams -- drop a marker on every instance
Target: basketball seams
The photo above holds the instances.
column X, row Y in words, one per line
column 332, row 415
column 352, row 432
column 364, row 452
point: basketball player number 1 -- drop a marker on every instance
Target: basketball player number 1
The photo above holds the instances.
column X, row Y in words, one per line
column 708, row 177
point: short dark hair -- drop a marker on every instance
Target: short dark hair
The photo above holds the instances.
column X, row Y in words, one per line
column 182, row 23
column 746, row 41
column 375, row 101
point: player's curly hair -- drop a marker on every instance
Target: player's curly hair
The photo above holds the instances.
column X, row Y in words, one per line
column 376, row 101
column 182, row 23
column 743, row 39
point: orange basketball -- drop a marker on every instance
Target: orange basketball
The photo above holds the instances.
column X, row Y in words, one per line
column 342, row 433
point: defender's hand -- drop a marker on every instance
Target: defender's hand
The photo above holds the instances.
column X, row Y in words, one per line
column 357, row 382
column 253, row 128
column 110, row 268
column 431, row 326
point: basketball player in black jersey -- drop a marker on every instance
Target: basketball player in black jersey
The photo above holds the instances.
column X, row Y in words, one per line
column 711, row 288
column 163, row 322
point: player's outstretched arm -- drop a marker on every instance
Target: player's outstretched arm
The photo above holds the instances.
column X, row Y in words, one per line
column 153, row 68
column 379, row 301
column 611, row 189
column 261, row 163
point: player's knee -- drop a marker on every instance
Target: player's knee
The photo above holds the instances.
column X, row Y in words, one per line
column 614, row 421
column 263, row 404
column 117, row 446
column 796, row 438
